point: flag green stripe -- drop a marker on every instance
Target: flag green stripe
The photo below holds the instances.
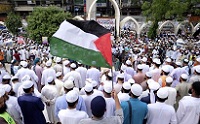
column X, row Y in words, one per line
column 65, row 49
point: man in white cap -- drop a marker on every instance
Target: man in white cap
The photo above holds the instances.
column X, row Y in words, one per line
column 129, row 68
column 5, row 118
column 95, row 88
column 188, row 110
column 83, row 72
column 148, row 76
column 139, row 77
column 144, row 65
column 160, row 112
column 66, row 67
column 61, row 100
column 183, row 87
column 165, row 72
column 49, row 94
column 134, row 110
column 168, row 62
column 94, row 74
column 71, row 115
column 30, row 105
column 3, row 71
column 15, row 84
column 58, row 66
column 76, row 75
column 6, row 79
column 119, row 83
column 124, row 94
column 110, row 102
column 156, row 71
column 26, row 71
column 59, row 83
column 196, row 75
column 171, row 91
column 47, row 73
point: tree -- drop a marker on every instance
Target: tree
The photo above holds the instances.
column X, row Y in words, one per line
column 159, row 10
column 44, row 21
column 13, row 22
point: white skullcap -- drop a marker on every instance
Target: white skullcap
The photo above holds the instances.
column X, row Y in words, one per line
column 131, row 81
column 58, row 74
column 107, row 88
column 123, row 67
column 7, row 87
column 178, row 63
column 185, row 60
column 26, row 78
column 27, row 84
column 197, row 69
column 94, row 83
column 126, row 85
column 2, row 92
column 24, row 64
column 110, row 74
column 153, row 85
column 169, row 80
column 157, row 61
column 68, row 84
column 58, row 59
column 14, row 77
column 148, row 74
column 73, row 65
column 162, row 93
column 50, row 79
column 144, row 59
column 66, row 62
column 136, row 89
column 198, row 59
column 72, row 96
column 168, row 60
column 184, row 76
column 128, row 62
column 140, row 67
column 6, row 77
column 120, row 75
column 79, row 63
column 88, row 87
column 166, row 69
column 48, row 63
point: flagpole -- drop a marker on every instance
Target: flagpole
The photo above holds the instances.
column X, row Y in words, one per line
column 112, row 77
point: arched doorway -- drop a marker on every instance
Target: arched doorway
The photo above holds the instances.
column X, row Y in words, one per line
column 167, row 27
column 184, row 27
column 78, row 18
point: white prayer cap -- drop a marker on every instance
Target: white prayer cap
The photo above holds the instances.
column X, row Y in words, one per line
column 6, row 77
column 7, row 87
column 72, row 96
column 58, row 74
column 197, row 69
column 144, row 59
column 168, row 60
column 79, row 63
column 66, row 62
column 2, row 92
column 73, row 65
column 184, row 76
column 26, row 78
column 24, row 64
column 126, row 85
column 14, row 77
column 128, row 62
column 21, row 63
column 169, row 80
column 136, row 89
column 131, row 81
column 157, row 61
column 153, row 85
column 178, row 63
column 94, row 83
column 123, row 67
column 27, row 84
column 110, row 74
column 107, row 88
column 140, row 67
column 58, row 59
column 185, row 60
column 120, row 75
column 198, row 59
column 48, row 63
column 88, row 87
column 148, row 74
column 166, row 69
column 68, row 84
column 50, row 79
column 162, row 93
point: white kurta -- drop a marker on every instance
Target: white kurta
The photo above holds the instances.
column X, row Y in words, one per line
column 77, row 78
column 47, row 73
column 83, row 72
column 123, row 97
column 94, row 74
column 110, row 107
column 58, row 68
column 172, row 96
column 189, row 110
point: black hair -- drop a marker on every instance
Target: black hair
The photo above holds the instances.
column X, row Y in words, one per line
column 89, row 92
column 161, row 100
column 134, row 96
column 196, row 87
column 125, row 90
column 165, row 73
column 72, row 104
column 27, row 90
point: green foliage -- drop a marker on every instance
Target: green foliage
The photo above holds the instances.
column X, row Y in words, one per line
column 153, row 30
column 13, row 22
column 45, row 21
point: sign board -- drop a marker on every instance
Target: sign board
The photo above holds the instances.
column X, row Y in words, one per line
column 106, row 22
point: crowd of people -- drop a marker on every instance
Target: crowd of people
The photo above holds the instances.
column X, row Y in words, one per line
column 151, row 82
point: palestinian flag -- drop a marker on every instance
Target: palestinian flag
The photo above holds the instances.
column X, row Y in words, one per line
column 84, row 41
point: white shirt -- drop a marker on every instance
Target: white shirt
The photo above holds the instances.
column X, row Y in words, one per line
column 156, row 74
column 83, row 72
column 71, row 116
column 172, row 96
column 110, row 107
column 94, row 74
column 58, row 68
column 49, row 93
column 76, row 76
column 161, row 113
column 189, row 110
column 47, row 73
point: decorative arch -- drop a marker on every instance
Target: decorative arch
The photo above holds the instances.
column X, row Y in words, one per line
column 143, row 26
column 179, row 25
column 195, row 28
column 137, row 26
column 78, row 18
column 117, row 13
column 164, row 23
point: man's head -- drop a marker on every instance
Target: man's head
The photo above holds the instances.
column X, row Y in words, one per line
column 72, row 98
column 28, row 86
column 162, row 94
column 195, row 88
column 3, row 106
column 98, row 106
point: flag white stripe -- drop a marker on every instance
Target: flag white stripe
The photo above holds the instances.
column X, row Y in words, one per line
column 74, row 35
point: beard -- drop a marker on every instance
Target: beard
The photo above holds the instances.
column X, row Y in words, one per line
column 3, row 109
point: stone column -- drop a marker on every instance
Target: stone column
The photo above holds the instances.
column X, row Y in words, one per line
column 93, row 13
